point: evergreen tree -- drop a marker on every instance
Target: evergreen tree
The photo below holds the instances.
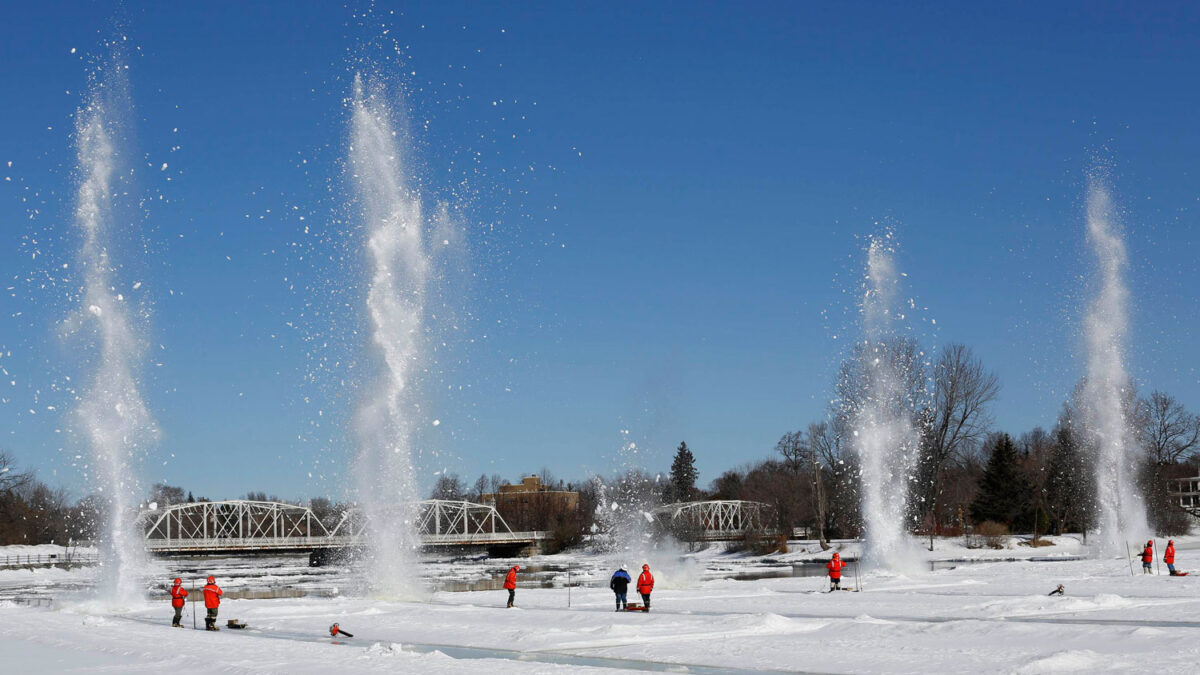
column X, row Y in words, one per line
column 1067, row 482
column 1004, row 492
column 683, row 475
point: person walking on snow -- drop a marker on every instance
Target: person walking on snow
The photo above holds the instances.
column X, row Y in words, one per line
column 212, row 600
column 178, row 594
column 620, row 585
column 510, row 583
column 835, row 566
column 645, row 586
column 1169, row 557
column 1148, row 558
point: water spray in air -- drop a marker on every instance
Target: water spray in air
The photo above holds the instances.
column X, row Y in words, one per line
column 1108, row 392
column 397, row 267
column 112, row 415
column 880, row 408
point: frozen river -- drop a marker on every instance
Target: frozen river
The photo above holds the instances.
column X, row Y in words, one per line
column 713, row 613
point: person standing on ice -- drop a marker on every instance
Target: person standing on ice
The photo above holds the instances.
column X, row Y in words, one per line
column 1148, row 558
column 1169, row 557
column 510, row 583
column 212, row 600
column 178, row 595
column 835, row 566
column 620, row 585
column 645, row 585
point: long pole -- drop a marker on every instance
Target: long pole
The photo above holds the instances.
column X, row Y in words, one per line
column 1129, row 551
column 568, row 586
column 193, row 604
column 1157, row 558
column 856, row 581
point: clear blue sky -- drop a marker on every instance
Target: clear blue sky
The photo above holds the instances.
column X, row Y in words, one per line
column 666, row 206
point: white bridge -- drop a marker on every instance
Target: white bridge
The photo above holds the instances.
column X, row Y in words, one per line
column 243, row 526
column 715, row 520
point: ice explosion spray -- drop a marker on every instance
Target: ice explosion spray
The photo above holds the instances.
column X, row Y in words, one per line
column 112, row 414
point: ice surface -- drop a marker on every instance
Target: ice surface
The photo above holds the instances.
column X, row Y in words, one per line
column 974, row 617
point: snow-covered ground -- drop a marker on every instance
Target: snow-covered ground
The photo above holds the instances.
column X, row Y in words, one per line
column 711, row 614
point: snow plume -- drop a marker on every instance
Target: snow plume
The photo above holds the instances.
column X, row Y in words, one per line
column 389, row 211
column 628, row 532
column 624, row 519
column 880, row 396
column 1108, row 391
column 112, row 415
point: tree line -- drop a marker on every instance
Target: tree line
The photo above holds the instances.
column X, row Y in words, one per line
column 965, row 472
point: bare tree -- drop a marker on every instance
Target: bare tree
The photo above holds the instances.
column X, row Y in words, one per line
column 839, row 466
column 481, row 488
column 46, row 521
column 771, row 482
column 494, row 483
column 10, row 478
column 549, row 480
column 794, row 449
column 728, row 485
column 448, row 486
column 956, row 421
column 165, row 495
column 861, row 376
column 825, row 441
column 253, row 496
column 1170, row 432
column 818, row 432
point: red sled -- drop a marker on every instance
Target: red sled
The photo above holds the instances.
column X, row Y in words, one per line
column 636, row 607
column 1180, row 574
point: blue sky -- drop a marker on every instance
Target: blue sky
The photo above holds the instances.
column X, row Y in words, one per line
column 665, row 207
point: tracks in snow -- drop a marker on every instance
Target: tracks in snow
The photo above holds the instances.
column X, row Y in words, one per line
column 554, row 657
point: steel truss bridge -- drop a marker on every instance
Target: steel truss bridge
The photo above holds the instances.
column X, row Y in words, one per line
column 244, row 526
column 715, row 520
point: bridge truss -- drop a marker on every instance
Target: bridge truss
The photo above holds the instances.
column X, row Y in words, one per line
column 244, row 525
column 715, row 520
column 444, row 522
column 234, row 525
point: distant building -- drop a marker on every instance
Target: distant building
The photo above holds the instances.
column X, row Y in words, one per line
column 1185, row 493
column 529, row 505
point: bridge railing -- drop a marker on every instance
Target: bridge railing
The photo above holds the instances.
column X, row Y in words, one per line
column 213, row 543
column 48, row 559
column 485, row 537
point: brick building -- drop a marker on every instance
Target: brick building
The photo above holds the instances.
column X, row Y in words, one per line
column 529, row 505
